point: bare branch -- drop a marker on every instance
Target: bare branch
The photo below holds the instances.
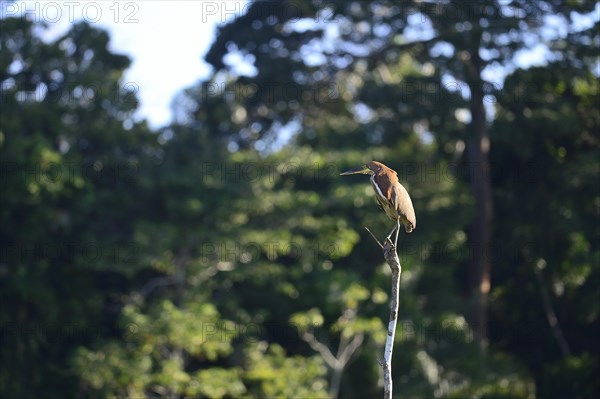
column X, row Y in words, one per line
column 349, row 350
column 337, row 364
column 158, row 282
column 375, row 238
column 551, row 315
column 391, row 257
column 321, row 348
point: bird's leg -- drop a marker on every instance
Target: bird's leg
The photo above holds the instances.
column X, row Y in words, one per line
column 397, row 231
column 390, row 235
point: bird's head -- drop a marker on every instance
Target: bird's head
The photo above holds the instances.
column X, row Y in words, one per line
column 370, row 168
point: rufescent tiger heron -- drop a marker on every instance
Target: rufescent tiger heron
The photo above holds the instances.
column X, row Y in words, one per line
column 391, row 196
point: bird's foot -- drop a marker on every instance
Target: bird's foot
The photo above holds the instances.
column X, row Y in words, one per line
column 389, row 243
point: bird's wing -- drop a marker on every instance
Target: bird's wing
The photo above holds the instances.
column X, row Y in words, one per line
column 388, row 188
column 405, row 206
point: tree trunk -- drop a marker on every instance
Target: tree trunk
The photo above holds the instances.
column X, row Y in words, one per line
column 480, row 181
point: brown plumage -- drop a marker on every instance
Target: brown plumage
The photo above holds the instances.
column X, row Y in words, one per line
column 391, row 196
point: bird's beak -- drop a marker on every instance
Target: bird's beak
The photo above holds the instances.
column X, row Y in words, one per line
column 360, row 170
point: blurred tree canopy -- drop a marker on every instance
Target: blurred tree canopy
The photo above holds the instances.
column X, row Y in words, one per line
column 222, row 256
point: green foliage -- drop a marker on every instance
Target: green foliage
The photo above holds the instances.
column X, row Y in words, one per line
column 210, row 258
column 574, row 376
column 275, row 375
column 69, row 174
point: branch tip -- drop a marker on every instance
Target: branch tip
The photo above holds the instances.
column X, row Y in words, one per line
column 375, row 238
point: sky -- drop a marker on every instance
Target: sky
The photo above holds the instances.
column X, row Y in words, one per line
column 173, row 36
column 158, row 36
